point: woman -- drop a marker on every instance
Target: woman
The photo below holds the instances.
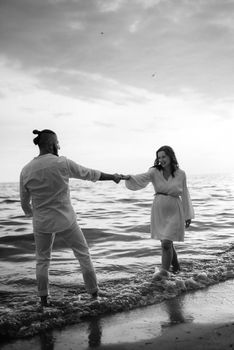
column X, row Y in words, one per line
column 171, row 207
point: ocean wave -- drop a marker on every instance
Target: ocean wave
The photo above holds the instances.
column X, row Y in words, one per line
column 92, row 235
column 97, row 235
column 144, row 205
column 11, row 223
column 7, row 252
column 129, row 253
column 20, row 229
column 127, row 200
column 139, row 228
column 18, row 217
column 20, row 282
column 10, row 201
column 17, row 238
column 225, row 215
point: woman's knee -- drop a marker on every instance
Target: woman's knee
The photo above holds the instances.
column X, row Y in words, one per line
column 42, row 263
column 166, row 244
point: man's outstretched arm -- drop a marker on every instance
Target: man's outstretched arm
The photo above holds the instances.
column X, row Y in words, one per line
column 114, row 177
column 80, row 172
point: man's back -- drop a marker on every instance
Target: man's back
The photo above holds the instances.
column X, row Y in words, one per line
column 46, row 179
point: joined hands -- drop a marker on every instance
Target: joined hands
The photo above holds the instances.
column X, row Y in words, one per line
column 118, row 177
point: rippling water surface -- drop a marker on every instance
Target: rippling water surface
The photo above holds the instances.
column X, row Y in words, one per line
column 115, row 222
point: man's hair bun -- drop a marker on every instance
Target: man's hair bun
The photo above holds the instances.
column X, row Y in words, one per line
column 41, row 135
column 36, row 139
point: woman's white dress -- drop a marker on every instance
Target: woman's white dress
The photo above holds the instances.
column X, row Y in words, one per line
column 170, row 209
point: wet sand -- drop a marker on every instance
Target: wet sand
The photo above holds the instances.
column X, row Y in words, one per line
column 201, row 319
column 192, row 337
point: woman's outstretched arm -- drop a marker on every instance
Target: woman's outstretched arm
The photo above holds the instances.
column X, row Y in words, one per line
column 137, row 182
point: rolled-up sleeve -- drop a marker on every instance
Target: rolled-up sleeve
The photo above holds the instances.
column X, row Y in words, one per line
column 25, row 198
column 137, row 182
column 80, row 172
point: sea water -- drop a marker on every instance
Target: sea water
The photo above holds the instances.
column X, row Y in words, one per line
column 116, row 224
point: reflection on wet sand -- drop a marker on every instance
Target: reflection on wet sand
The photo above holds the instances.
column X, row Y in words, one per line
column 95, row 332
column 47, row 341
column 176, row 312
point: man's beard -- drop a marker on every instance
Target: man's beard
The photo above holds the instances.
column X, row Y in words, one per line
column 55, row 151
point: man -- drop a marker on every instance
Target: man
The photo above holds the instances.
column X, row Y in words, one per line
column 45, row 195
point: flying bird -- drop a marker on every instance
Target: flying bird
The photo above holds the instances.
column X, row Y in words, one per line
column 153, row 75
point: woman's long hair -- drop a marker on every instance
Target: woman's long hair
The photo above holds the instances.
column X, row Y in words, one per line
column 171, row 154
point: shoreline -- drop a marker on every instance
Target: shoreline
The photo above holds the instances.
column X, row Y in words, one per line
column 22, row 317
column 197, row 320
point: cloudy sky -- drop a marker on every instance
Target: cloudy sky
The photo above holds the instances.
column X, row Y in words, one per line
column 117, row 79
